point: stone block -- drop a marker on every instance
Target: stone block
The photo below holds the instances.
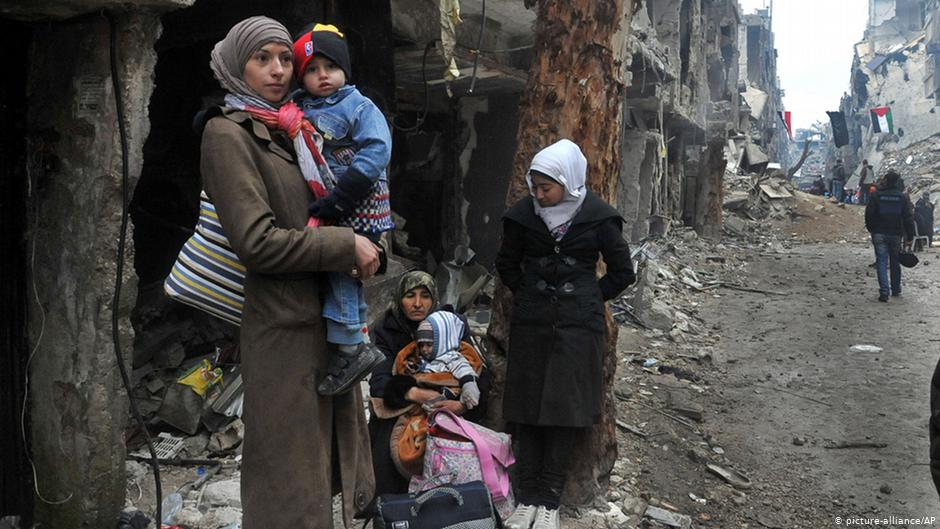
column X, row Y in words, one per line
column 222, row 493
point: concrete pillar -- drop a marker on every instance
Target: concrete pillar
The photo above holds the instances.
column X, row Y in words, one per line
column 708, row 200
column 628, row 187
column 76, row 402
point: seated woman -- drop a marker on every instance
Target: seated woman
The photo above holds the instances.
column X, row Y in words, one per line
column 415, row 299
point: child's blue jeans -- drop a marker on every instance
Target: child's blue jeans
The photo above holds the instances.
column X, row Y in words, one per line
column 345, row 310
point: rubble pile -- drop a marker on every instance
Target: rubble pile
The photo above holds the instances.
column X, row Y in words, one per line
column 665, row 354
column 187, row 384
column 754, row 202
column 918, row 164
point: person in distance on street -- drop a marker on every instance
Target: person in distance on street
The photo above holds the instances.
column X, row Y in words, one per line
column 889, row 218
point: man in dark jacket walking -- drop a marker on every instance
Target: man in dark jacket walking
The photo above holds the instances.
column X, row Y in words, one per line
column 889, row 217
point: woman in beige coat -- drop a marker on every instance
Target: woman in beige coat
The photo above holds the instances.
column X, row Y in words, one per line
column 300, row 448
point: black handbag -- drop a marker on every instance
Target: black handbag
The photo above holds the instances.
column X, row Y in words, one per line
column 465, row 506
column 908, row 259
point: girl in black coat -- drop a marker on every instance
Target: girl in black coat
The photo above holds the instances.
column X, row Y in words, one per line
column 558, row 334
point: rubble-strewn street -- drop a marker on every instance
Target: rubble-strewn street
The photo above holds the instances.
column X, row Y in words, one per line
column 759, row 384
column 766, row 385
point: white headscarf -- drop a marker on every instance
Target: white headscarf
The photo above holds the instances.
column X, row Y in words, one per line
column 563, row 162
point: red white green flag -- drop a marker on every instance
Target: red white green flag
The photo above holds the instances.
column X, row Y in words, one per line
column 881, row 120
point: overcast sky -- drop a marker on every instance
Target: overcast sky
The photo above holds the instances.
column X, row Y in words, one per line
column 815, row 43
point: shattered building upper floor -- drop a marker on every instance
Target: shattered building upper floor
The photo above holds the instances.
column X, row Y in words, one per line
column 894, row 66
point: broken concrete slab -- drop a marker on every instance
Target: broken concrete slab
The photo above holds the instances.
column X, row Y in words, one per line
column 775, row 192
column 221, row 493
column 736, row 225
column 736, row 200
column 656, row 315
column 669, row 518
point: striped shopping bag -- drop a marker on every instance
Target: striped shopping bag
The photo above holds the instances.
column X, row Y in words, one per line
column 207, row 274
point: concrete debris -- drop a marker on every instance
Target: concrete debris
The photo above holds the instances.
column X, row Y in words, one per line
column 228, row 439
column 226, row 492
column 736, row 225
column 668, row 518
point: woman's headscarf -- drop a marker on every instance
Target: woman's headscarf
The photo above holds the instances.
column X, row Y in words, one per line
column 410, row 281
column 230, row 55
column 564, row 163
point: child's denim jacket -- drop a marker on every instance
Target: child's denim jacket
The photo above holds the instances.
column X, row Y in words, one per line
column 355, row 134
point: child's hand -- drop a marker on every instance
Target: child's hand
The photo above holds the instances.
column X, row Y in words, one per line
column 470, row 395
column 325, row 208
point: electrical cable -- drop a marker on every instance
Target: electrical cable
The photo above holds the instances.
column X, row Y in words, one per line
column 476, row 56
column 427, row 96
column 119, row 274
column 29, row 361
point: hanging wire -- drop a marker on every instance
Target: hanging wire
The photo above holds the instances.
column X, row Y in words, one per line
column 476, row 53
column 427, row 95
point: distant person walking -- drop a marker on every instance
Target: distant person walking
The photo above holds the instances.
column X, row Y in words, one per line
column 889, row 217
column 923, row 215
column 865, row 178
column 838, row 181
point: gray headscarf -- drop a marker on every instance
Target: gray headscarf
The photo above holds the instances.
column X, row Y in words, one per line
column 230, row 54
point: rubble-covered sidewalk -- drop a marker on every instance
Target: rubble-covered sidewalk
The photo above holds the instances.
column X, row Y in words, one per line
column 741, row 399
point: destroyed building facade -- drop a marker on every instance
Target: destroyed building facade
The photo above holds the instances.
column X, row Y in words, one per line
column 894, row 66
column 689, row 67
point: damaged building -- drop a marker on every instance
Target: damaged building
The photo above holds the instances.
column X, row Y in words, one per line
column 894, row 66
column 99, row 117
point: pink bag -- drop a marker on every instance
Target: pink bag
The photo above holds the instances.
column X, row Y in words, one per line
column 484, row 455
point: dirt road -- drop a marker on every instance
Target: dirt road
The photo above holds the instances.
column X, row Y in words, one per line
column 825, row 434
column 801, row 343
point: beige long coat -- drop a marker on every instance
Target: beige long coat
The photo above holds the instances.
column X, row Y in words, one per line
column 293, row 436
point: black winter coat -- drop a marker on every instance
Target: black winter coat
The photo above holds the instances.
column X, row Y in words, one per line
column 890, row 212
column 558, row 333
column 934, row 427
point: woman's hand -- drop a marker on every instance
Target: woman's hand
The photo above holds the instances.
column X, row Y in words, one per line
column 367, row 258
column 421, row 395
column 453, row 405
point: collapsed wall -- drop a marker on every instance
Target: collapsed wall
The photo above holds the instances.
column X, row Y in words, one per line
column 893, row 67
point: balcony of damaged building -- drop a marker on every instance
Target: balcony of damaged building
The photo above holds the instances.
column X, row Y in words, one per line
column 62, row 203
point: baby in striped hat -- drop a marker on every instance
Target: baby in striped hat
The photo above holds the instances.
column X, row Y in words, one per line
column 438, row 340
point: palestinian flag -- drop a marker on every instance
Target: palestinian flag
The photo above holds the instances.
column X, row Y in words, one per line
column 881, row 120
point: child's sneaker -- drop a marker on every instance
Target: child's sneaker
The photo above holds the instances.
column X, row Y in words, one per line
column 348, row 368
